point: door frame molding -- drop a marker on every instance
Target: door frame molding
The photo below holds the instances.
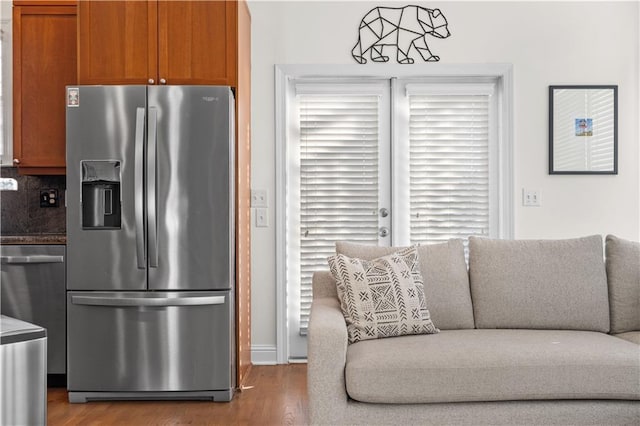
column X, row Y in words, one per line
column 283, row 73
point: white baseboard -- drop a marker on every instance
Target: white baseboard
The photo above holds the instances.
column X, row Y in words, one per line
column 263, row 355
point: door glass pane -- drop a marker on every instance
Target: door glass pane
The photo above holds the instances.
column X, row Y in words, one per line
column 339, row 181
column 449, row 166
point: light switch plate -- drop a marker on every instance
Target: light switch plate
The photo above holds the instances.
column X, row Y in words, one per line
column 262, row 218
column 531, row 197
column 259, row 198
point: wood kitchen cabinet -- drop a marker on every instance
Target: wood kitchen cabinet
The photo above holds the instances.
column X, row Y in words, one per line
column 44, row 62
column 158, row 42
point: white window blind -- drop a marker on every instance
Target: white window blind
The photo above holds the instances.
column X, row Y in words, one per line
column 448, row 166
column 339, row 168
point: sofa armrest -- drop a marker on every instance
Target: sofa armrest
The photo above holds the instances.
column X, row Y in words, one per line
column 326, row 354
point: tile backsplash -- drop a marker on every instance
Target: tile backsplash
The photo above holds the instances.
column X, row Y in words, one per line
column 20, row 210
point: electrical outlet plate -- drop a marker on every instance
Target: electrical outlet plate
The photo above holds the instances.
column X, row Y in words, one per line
column 49, row 198
column 531, row 197
column 259, row 198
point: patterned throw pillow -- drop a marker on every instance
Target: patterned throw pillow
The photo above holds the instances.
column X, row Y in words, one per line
column 383, row 297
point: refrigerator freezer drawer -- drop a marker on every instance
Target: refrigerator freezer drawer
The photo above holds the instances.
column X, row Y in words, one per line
column 149, row 342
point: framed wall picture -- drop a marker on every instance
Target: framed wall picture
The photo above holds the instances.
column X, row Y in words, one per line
column 583, row 130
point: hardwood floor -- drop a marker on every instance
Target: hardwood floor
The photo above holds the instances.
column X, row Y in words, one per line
column 278, row 397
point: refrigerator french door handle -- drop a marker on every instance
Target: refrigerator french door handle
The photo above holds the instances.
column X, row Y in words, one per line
column 147, row 301
column 139, row 188
column 31, row 259
column 152, row 158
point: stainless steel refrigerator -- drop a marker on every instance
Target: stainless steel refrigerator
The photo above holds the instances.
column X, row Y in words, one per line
column 150, row 242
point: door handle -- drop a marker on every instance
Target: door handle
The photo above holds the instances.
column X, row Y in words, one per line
column 16, row 260
column 147, row 301
column 138, row 188
column 152, row 158
column 384, row 212
column 383, row 232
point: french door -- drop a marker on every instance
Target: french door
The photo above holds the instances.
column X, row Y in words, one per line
column 384, row 162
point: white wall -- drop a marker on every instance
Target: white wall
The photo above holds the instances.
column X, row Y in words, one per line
column 548, row 43
column 6, row 143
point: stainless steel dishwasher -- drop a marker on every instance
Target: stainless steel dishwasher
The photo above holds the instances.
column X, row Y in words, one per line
column 33, row 289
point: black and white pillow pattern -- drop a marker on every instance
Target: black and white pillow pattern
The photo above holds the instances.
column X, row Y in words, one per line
column 383, row 297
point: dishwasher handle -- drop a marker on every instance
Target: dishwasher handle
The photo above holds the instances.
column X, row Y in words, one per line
column 147, row 301
column 18, row 260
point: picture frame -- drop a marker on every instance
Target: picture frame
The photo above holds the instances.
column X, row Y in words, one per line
column 583, row 130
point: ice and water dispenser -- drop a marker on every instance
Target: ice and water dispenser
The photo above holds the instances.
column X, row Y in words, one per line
column 101, row 195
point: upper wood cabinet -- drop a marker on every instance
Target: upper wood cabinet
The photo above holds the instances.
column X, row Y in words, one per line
column 197, row 42
column 44, row 62
column 157, row 42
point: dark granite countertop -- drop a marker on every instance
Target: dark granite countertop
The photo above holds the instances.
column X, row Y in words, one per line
column 33, row 239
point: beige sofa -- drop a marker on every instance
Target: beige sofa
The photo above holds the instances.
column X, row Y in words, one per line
column 534, row 332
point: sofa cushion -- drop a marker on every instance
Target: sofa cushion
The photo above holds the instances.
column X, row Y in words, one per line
column 631, row 336
column 383, row 297
column 323, row 285
column 446, row 280
column 493, row 365
column 540, row 284
column 623, row 276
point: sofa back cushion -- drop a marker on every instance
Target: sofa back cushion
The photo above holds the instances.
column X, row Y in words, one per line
column 446, row 281
column 623, row 276
column 323, row 285
column 541, row 284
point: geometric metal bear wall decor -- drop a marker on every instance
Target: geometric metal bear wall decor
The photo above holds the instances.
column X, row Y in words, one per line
column 403, row 27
